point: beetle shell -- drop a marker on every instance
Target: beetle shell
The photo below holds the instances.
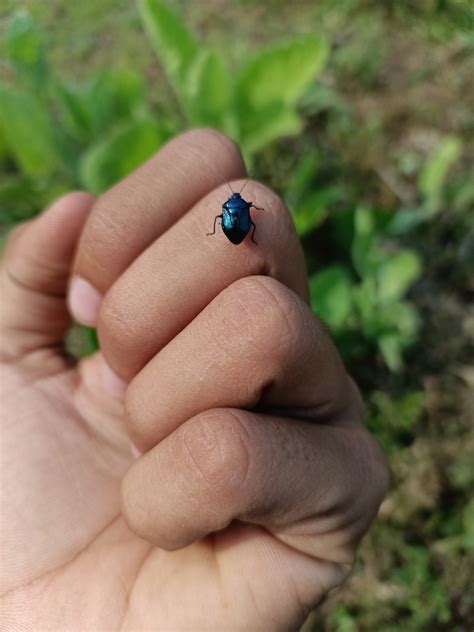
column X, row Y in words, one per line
column 236, row 220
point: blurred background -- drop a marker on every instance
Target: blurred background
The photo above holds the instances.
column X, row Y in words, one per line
column 359, row 113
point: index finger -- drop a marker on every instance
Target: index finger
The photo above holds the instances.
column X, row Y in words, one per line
column 131, row 215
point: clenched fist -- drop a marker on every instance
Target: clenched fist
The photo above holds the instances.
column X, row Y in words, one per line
column 208, row 469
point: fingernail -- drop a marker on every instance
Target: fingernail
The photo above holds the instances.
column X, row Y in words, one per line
column 84, row 301
column 111, row 382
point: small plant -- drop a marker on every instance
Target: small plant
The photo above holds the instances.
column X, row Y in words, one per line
column 369, row 297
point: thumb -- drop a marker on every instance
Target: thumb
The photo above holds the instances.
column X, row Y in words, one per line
column 34, row 277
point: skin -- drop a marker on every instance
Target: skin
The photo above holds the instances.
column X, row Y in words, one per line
column 255, row 477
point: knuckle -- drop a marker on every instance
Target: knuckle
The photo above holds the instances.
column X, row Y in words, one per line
column 373, row 480
column 134, row 507
column 275, row 218
column 134, row 412
column 215, row 447
column 267, row 314
column 118, row 332
column 102, row 234
column 215, row 142
column 75, row 197
column 379, row 473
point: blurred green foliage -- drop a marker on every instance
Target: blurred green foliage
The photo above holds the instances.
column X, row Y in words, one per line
column 347, row 117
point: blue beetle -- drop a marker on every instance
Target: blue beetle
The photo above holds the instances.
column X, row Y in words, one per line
column 235, row 218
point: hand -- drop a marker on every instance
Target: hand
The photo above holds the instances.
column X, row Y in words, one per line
column 257, row 478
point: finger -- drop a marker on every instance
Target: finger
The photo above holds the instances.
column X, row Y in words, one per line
column 315, row 487
column 256, row 345
column 35, row 273
column 131, row 215
column 183, row 270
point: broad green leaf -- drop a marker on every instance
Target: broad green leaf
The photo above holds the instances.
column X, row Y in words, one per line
column 407, row 219
column 391, row 351
column 331, row 296
column 28, row 132
column 433, row 175
column 209, row 89
column 3, row 146
column 92, row 109
column 113, row 158
column 282, row 73
column 397, row 274
column 269, row 124
column 309, row 214
column 303, row 176
column 400, row 318
column 365, row 301
column 312, row 210
column 401, row 414
column 25, row 47
column 363, row 242
column 74, row 112
column 18, row 199
column 173, row 42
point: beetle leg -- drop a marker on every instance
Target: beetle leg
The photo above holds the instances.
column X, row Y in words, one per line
column 253, row 232
column 215, row 221
column 259, row 208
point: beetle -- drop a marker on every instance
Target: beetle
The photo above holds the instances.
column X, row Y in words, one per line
column 235, row 218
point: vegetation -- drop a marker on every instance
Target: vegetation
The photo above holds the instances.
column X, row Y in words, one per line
column 357, row 113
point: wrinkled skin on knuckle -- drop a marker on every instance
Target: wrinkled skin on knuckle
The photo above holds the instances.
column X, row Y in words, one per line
column 264, row 315
column 208, row 137
column 280, row 226
column 378, row 474
column 365, row 485
column 268, row 322
column 136, row 417
column 101, row 236
column 134, row 505
column 215, row 451
column 118, row 333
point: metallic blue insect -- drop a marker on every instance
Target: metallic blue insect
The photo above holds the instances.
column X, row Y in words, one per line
column 235, row 218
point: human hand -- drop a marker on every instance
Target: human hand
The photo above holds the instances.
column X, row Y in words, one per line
column 257, row 478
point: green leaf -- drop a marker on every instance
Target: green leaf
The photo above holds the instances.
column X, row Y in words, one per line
column 302, row 177
column 365, row 301
column 397, row 274
column 269, row 124
column 399, row 317
column 25, row 46
column 363, row 242
column 175, row 45
column 91, row 109
column 331, row 296
column 401, row 414
column 18, row 199
column 28, row 132
column 74, row 113
column 433, row 175
column 282, row 73
column 406, row 220
column 209, row 90
column 82, row 341
column 310, row 213
column 391, row 351
column 113, row 95
column 113, row 158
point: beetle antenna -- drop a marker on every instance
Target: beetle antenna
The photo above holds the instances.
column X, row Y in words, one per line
column 245, row 184
column 228, row 184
